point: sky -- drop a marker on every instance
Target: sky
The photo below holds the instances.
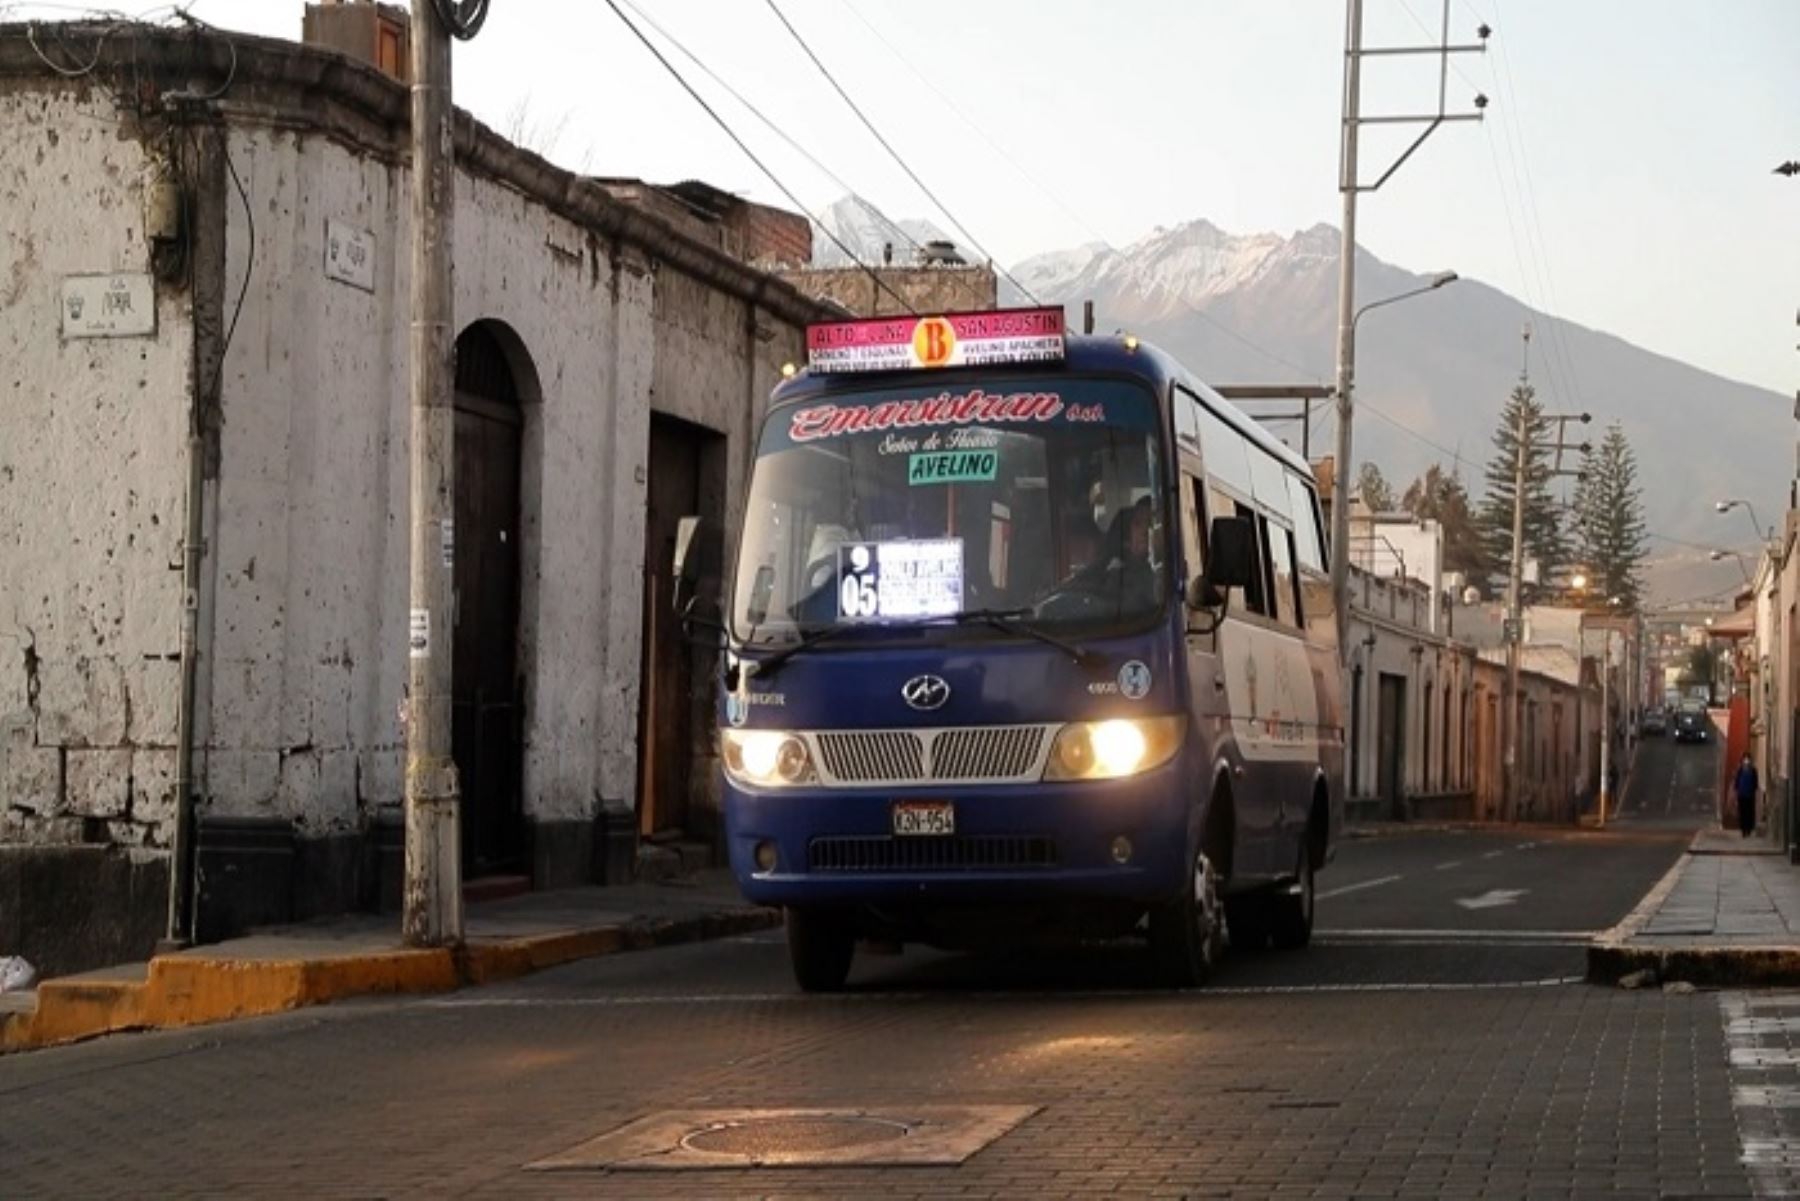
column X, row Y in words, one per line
column 1621, row 179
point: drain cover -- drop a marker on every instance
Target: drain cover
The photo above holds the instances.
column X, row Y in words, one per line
column 794, row 1138
column 764, row 1138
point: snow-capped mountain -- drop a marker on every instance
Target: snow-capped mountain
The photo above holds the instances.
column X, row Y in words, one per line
column 868, row 231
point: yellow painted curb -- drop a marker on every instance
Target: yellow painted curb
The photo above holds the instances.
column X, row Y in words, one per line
column 195, row 989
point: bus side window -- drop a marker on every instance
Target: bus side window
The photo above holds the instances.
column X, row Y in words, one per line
column 1256, row 596
column 1193, row 524
column 1281, row 559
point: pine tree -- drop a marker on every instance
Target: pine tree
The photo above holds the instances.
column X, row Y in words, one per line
column 1544, row 538
column 1377, row 496
column 1609, row 520
column 1440, row 496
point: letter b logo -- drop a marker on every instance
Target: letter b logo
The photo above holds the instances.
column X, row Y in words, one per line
column 933, row 342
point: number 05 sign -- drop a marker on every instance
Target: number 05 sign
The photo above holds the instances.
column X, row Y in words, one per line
column 878, row 580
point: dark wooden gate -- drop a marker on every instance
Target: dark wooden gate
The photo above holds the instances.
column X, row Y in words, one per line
column 665, row 689
column 1390, row 735
column 487, row 722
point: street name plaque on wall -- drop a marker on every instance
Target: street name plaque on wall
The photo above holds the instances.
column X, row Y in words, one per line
column 108, row 306
column 350, row 255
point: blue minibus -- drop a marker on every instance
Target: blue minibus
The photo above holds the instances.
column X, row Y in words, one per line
column 1029, row 636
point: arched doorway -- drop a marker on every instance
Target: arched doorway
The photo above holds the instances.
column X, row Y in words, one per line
column 487, row 726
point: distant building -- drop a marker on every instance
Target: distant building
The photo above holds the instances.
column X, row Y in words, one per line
column 937, row 280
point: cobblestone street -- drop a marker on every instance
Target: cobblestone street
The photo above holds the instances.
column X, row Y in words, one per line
column 1421, row 1047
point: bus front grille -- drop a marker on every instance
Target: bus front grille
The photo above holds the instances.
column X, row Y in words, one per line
column 959, row 755
column 843, row 853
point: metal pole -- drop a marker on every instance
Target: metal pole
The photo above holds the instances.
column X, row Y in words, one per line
column 1605, row 720
column 180, row 928
column 1346, row 346
column 432, row 914
column 1515, row 628
column 1580, row 694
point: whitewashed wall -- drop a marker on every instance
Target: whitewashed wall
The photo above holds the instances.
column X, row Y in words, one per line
column 309, row 664
column 92, row 452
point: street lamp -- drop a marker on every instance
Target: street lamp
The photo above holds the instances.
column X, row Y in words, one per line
column 1340, row 482
column 1719, row 556
column 1726, row 506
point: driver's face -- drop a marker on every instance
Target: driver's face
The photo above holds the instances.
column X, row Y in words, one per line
column 1137, row 534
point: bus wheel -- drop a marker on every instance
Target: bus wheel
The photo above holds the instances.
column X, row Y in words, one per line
column 1292, row 915
column 1188, row 935
column 820, row 945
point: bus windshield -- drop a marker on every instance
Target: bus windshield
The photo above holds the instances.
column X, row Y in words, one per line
column 1039, row 499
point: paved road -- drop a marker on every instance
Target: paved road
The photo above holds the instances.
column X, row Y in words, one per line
column 1673, row 783
column 1433, row 1043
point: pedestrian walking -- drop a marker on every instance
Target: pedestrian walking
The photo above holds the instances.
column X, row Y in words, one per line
column 1745, row 785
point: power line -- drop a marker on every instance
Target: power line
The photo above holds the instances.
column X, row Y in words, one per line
column 1516, row 129
column 993, row 145
column 894, row 154
column 751, row 154
column 777, row 130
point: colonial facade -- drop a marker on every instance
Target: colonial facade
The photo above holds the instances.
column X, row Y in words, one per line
column 204, row 439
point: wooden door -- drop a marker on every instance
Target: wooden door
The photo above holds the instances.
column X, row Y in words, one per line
column 1391, row 739
column 665, row 690
column 487, row 723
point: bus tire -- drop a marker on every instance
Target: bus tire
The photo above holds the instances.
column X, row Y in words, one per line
column 1187, row 935
column 820, row 947
column 1291, row 912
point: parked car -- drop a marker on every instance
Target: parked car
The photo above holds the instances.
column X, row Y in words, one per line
column 1692, row 724
column 1655, row 722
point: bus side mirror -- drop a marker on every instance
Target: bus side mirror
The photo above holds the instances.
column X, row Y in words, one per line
column 1230, row 560
column 762, row 589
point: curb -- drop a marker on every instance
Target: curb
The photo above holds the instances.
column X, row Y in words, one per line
column 195, row 990
column 1611, row 957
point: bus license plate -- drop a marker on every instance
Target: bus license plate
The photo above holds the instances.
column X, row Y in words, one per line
column 924, row 818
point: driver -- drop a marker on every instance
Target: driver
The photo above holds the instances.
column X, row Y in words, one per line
column 1123, row 570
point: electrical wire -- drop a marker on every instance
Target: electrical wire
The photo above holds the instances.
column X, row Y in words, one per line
column 981, row 133
column 249, row 270
column 751, row 154
column 895, row 154
column 778, row 131
column 70, row 72
column 1516, row 128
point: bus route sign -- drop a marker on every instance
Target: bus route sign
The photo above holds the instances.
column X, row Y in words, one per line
column 947, row 340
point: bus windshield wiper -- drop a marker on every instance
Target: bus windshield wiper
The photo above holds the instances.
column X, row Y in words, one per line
column 1007, row 621
column 1011, row 621
column 763, row 667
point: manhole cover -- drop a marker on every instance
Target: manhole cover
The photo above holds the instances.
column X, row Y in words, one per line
column 763, row 1138
column 710, row 1139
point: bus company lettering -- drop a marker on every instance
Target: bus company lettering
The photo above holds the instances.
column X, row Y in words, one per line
column 829, row 421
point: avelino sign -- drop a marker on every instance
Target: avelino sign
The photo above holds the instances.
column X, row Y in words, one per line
column 948, row 340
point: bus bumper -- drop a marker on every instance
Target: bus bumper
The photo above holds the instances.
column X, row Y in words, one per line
column 1017, row 843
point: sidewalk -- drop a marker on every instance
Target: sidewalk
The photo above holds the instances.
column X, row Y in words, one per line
column 1727, row 913
column 360, row 954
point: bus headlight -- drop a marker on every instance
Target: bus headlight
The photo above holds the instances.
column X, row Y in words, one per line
column 768, row 758
column 1114, row 748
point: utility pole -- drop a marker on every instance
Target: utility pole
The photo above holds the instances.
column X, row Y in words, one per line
column 1350, row 185
column 432, row 899
column 1514, row 630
